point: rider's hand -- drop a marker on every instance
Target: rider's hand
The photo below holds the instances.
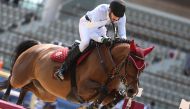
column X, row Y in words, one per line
column 118, row 39
column 106, row 40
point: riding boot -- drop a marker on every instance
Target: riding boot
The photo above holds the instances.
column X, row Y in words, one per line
column 73, row 54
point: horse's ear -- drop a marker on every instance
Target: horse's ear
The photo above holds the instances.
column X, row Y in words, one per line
column 132, row 46
column 148, row 50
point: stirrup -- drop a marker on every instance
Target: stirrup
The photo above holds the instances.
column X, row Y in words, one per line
column 58, row 75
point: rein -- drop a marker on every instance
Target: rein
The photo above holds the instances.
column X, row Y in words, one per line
column 117, row 68
column 103, row 92
column 115, row 73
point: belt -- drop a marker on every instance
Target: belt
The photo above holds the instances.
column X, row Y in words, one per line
column 87, row 18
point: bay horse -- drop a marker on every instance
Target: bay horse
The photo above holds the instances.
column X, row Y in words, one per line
column 97, row 76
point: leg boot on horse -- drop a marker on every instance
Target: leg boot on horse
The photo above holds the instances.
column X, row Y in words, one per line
column 73, row 54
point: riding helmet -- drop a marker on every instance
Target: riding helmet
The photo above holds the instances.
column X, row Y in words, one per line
column 118, row 7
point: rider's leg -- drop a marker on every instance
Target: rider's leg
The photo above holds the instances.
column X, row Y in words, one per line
column 84, row 36
column 75, row 52
column 96, row 33
column 72, row 55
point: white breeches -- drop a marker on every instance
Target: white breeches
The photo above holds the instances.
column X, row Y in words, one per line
column 86, row 33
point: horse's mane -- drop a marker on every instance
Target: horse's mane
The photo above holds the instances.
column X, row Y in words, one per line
column 120, row 49
column 119, row 41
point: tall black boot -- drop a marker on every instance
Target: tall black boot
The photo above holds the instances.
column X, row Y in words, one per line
column 73, row 54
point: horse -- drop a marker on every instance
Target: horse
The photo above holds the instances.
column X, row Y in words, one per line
column 97, row 77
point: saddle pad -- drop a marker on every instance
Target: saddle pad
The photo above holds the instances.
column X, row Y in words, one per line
column 61, row 54
column 84, row 56
column 134, row 105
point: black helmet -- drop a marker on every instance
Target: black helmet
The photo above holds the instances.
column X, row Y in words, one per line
column 118, row 7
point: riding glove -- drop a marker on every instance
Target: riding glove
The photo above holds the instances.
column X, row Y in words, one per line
column 106, row 40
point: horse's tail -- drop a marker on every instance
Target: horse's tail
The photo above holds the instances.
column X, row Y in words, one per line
column 23, row 46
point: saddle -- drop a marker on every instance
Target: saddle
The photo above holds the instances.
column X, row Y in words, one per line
column 61, row 54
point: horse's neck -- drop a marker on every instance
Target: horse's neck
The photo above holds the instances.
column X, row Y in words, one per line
column 120, row 51
column 105, row 56
column 115, row 56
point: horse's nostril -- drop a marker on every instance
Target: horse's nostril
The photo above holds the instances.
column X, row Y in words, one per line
column 130, row 92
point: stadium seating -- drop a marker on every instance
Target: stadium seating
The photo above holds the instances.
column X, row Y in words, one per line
column 162, row 80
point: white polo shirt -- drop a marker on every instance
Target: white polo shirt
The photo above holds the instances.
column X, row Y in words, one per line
column 100, row 17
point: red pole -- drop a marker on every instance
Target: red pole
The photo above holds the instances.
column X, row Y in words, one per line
column 7, row 105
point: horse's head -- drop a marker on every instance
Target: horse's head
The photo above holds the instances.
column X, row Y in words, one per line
column 132, row 60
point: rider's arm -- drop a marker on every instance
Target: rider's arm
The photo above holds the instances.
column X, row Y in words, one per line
column 98, row 16
column 121, row 27
column 97, row 36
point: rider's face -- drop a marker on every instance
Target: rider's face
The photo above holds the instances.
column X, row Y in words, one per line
column 113, row 18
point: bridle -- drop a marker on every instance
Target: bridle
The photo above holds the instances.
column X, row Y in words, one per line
column 124, row 64
column 116, row 70
column 115, row 73
column 128, row 91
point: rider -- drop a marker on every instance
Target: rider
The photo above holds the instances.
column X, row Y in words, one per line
column 92, row 26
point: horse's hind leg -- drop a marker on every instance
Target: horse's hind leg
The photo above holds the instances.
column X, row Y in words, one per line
column 7, row 93
column 21, row 96
column 4, row 85
column 39, row 91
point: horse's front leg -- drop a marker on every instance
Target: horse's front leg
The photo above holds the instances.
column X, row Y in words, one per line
column 102, row 94
column 117, row 97
column 88, row 89
column 130, row 92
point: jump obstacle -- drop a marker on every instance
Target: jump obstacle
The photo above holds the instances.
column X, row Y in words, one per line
column 8, row 105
